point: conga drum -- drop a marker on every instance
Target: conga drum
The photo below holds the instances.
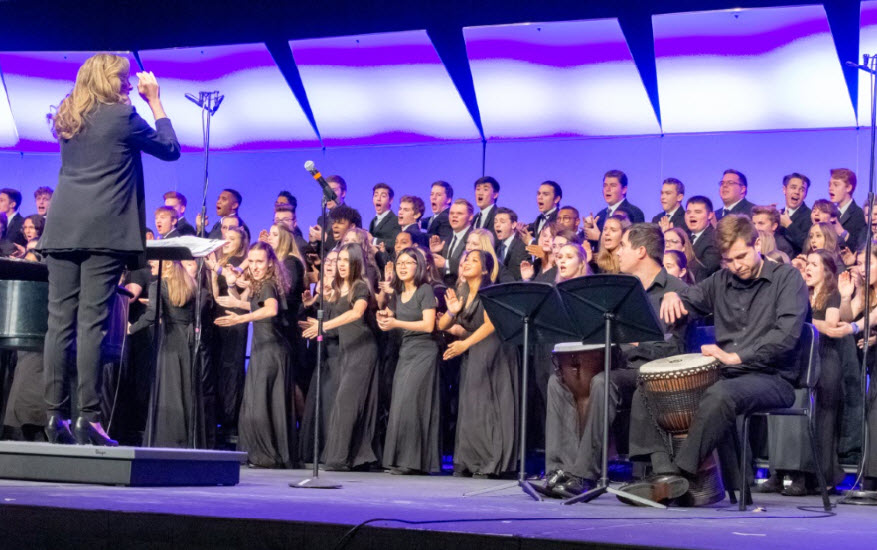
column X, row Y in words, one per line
column 575, row 365
column 672, row 388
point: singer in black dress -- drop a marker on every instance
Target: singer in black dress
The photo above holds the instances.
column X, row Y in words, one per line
column 171, row 421
column 351, row 430
column 487, row 420
column 266, row 426
column 411, row 444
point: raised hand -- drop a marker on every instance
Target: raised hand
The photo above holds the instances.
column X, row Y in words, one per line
column 665, row 223
column 147, row 86
column 592, row 231
column 455, row 305
column 263, row 236
column 846, row 285
column 436, row 244
column 527, row 270
column 536, row 251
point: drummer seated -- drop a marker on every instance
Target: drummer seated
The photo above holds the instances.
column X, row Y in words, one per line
column 759, row 308
column 574, row 445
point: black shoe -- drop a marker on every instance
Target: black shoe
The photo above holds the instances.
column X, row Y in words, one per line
column 58, row 431
column 92, row 433
column 337, row 468
column 661, row 488
column 798, row 488
column 402, row 471
column 573, row 486
column 555, row 477
column 774, row 484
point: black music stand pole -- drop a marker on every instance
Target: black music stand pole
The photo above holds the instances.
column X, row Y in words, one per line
column 610, row 309
column 521, row 312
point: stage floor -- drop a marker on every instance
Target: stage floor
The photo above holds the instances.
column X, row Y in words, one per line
column 262, row 511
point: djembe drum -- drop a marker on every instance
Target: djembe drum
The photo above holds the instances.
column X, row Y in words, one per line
column 575, row 365
column 672, row 388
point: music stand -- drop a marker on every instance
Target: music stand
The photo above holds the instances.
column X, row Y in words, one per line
column 164, row 253
column 610, row 309
column 513, row 308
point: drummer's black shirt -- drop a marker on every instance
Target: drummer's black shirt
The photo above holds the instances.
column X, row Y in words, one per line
column 759, row 319
column 674, row 336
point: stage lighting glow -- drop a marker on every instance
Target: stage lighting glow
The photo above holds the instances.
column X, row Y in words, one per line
column 36, row 82
column 259, row 110
column 571, row 78
column 750, row 69
column 381, row 89
column 867, row 45
column 8, row 133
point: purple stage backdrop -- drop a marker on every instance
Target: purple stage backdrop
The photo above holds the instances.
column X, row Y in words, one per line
column 578, row 165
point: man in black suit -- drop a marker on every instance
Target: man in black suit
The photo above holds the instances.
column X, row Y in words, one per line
column 568, row 217
column 177, row 201
column 227, row 204
column 548, row 197
column 841, row 187
column 410, row 211
column 703, row 237
column 284, row 214
column 615, row 195
column 732, row 190
column 767, row 220
column 447, row 254
column 795, row 219
column 43, row 198
column 166, row 223
column 441, row 195
column 10, row 202
column 510, row 249
column 672, row 212
column 385, row 225
column 486, row 193
column 339, row 186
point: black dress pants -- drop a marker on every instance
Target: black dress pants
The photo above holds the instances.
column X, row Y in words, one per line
column 82, row 286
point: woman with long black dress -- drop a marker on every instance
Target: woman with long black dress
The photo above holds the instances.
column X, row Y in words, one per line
column 96, row 227
column 350, row 439
column 411, row 444
column 487, row 421
column 230, row 342
column 267, row 418
column 170, row 422
column 329, row 367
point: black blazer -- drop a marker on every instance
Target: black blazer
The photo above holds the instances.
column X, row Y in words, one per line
column 101, row 183
column 450, row 277
column 853, row 220
column 678, row 218
column 173, row 233
column 488, row 222
column 533, row 227
column 185, row 228
column 438, row 225
column 709, row 258
column 516, row 254
column 386, row 231
column 796, row 234
column 635, row 214
column 13, row 231
column 743, row 207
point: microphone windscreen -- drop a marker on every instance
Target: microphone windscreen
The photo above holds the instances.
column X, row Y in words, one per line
column 309, row 166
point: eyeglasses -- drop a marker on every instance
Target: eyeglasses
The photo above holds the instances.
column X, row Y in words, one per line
column 724, row 183
column 408, row 263
column 672, row 241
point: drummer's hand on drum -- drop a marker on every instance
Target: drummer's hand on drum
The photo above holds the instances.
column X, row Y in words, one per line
column 454, row 349
column 712, row 350
column 672, row 308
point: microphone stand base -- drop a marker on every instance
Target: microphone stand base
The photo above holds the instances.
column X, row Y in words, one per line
column 859, row 498
column 315, row 483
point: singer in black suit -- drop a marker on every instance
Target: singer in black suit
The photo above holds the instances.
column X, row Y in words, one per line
column 451, row 250
column 795, row 219
column 703, row 238
column 100, row 185
column 486, row 194
column 10, row 203
column 510, row 249
column 615, row 194
column 672, row 195
column 548, row 199
column 441, row 195
column 732, row 190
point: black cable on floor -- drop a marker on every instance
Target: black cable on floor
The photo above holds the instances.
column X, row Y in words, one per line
column 348, row 536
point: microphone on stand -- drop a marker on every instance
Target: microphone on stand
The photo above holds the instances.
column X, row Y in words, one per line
column 209, row 101
column 328, row 193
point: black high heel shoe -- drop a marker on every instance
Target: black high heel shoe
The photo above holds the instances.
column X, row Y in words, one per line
column 58, row 431
column 88, row 433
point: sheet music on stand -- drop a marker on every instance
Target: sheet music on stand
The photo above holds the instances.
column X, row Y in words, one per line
column 196, row 246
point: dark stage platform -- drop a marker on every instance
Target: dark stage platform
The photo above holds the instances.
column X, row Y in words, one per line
column 263, row 512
